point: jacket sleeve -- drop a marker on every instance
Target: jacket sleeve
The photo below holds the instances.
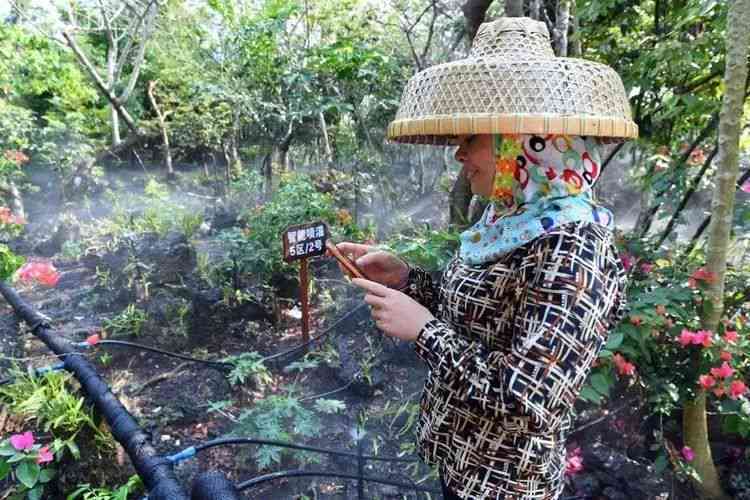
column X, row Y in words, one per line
column 568, row 290
column 420, row 287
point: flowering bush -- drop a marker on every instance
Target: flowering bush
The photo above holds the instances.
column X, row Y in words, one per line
column 662, row 349
column 26, row 460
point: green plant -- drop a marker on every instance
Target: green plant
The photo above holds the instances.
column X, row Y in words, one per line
column 129, row 321
column 105, row 359
column 283, row 418
column 24, row 460
column 248, row 365
column 87, row 492
column 72, row 249
column 9, row 262
column 257, row 249
column 104, row 278
column 156, row 190
column 429, row 248
column 49, row 401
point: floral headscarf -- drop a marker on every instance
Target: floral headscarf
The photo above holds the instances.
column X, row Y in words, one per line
column 541, row 182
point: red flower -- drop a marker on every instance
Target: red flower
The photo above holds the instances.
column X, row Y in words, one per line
column 646, row 268
column 636, row 320
column 730, row 336
column 706, row 381
column 737, row 389
column 725, row 371
column 44, row 455
column 93, row 339
column 41, row 272
column 701, row 274
column 624, row 367
column 725, row 356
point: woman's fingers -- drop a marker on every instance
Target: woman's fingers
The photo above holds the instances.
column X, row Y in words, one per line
column 353, row 250
column 372, row 287
column 374, row 301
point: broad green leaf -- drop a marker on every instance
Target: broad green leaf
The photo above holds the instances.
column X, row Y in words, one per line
column 28, row 473
column 614, row 341
column 600, row 383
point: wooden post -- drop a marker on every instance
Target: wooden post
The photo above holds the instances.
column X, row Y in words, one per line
column 304, row 288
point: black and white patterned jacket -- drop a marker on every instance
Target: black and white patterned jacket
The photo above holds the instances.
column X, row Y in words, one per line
column 509, row 350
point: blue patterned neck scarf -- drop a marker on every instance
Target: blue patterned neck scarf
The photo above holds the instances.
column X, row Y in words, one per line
column 541, row 182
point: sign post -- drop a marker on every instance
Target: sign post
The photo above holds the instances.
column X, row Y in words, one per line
column 300, row 243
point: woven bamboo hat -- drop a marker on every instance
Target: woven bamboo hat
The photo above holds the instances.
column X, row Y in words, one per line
column 512, row 83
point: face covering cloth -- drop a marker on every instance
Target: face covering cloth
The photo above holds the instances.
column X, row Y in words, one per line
column 541, row 182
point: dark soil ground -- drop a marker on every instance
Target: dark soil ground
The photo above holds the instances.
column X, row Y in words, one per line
column 184, row 404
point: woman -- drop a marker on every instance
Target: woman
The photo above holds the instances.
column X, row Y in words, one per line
column 523, row 310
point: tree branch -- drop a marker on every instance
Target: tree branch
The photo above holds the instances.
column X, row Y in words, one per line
column 98, row 81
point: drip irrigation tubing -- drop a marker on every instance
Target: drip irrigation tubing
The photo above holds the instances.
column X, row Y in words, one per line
column 325, row 332
column 155, row 471
column 219, row 365
column 302, row 473
column 193, row 450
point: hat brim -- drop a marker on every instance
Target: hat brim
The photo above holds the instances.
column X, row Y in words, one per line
column 442, row 129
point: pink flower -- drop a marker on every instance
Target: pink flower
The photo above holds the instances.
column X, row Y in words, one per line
column 706, row 381
column 719, row 391
column 737, row 389
column 22, row 442
column 703, row 337
column 44, row 455
column 688, row 453
column 746, row 186
column 725, row 356
column 574, row 462
column 725, row 371
column 93, row 339
column 730, row 336
column 686, row 337
column 627, row 261
column 646, row 268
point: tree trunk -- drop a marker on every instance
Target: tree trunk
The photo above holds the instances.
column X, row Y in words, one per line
column 513, row 8
column 326, row 142
column 460, row 195
column 535, row 10
column 560, row 33
column 574, row 40
column 474, row 11
column 163, row 126
column 722, row 209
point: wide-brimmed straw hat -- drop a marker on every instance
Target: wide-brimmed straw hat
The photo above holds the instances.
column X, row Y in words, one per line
column 512, row 83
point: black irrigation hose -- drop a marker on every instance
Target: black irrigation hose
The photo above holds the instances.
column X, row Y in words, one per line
column 318, row 337
column 190, row 452
column 219, row 365
column 155, row 471
column 301, row 473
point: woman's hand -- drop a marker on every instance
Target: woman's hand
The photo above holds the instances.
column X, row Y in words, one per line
column 394, row 312
column 381, row 267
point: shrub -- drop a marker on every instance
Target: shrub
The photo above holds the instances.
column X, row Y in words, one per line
column 257, row 248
